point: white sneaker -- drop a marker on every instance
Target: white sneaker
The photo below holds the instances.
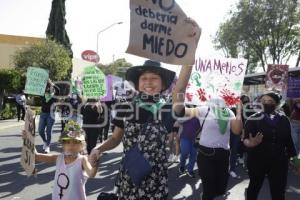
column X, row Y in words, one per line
column 176, row 159
column 233, row 174
column 47, row 149
column 44, row 146
column 171, row 158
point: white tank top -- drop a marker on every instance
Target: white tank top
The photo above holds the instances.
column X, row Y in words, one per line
column 70, row 179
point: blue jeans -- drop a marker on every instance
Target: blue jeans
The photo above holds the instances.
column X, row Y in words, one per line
column 46, row 122
column 296, row 135
column 187, row 150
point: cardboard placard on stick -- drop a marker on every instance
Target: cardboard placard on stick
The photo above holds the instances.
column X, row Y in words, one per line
column 36, row 81
column 28, row 155
column 159, row 31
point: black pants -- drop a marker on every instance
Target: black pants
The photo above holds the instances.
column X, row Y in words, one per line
column 20, row 108
column 92, row 135
column 106, row 128
column 213, row 165
column 276, row 169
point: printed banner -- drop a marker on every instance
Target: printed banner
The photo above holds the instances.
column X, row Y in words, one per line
column 216, row 78
column 159, row 31
column 293, row 90
column 94, row 83
column 28, row 156
column 277, row 78
column 36, row 81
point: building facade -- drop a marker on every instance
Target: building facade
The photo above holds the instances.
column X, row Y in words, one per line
column 9, row 44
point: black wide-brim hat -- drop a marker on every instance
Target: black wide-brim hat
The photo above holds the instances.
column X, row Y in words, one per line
column 133, row 74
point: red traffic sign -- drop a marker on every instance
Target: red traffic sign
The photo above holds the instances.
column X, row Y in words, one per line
column 90, row 56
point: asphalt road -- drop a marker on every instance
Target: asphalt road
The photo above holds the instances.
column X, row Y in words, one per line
column 14, row 184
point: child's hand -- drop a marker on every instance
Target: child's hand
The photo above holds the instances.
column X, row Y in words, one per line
column 94, row 157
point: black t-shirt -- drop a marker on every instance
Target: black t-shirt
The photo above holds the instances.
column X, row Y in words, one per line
column 90, row 114
column 277, row 139
column 46, row 106
column 131, row 112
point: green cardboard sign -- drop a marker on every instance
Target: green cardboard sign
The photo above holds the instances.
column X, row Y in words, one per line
column 94, row 82
column 36, row 81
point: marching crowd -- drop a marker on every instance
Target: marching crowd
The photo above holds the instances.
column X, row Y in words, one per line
column 264, row 134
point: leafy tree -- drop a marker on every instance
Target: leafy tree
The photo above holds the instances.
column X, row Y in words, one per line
column 267, row 31
column 117, row 68
column 48, row 55
column 11, row 81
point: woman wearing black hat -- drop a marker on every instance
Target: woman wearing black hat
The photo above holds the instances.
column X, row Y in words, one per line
column 270, row 146
column 143, row 125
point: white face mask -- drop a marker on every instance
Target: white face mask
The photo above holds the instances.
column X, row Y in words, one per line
column 70, row 154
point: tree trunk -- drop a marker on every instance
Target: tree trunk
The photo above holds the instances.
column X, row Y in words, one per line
column 1, row 99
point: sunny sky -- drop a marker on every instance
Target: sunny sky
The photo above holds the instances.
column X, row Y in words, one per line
column 85, row 18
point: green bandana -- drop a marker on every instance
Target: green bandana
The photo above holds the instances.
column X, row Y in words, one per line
column 152, row 107
column 223, row 118
column 48, row 97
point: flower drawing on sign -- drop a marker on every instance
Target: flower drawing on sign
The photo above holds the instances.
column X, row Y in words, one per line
column 237, row 85
column 229, row 97
column 196, row 79
column 189, row 96
column 202, row 94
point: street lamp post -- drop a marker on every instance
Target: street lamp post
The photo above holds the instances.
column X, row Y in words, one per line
column 103, row 31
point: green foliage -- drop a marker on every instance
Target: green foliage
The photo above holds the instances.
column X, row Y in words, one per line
column 9, row 112
column 48, row 55
column 117, row 68
column 11, row 80
column 264, row 31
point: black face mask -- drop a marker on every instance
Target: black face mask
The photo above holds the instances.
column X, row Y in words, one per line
column 269, row 108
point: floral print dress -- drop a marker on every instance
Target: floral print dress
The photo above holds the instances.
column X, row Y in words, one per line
column 151, row 137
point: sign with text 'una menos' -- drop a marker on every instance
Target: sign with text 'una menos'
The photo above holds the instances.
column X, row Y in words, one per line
column 216, row 78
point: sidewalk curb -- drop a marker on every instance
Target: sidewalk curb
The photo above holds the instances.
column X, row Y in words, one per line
column 16, row 124
column 11, row 126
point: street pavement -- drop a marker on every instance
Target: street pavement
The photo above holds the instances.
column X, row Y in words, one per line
column 15, row 185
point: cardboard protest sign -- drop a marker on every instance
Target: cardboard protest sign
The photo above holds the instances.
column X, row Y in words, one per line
column 28, row 156
column 94, row 83
column 159, row 31
column 216, row 78
column 36, row 81
column 277, row 78
column 293, row 90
